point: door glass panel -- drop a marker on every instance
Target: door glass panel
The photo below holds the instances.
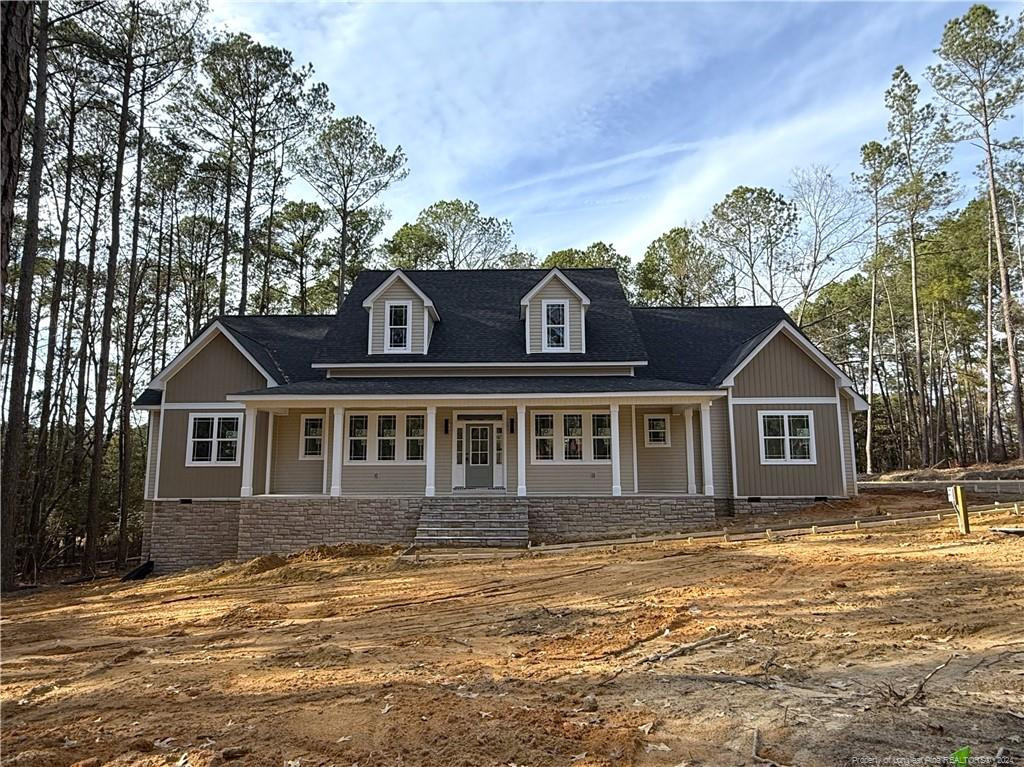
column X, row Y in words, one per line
column 479, row 445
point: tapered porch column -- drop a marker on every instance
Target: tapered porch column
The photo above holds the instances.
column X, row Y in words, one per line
column 248, row 450
column 705, row 438
column 337, row 431
column 431, row 438
column 521, row 449
column 616, row 462
column 691, row 464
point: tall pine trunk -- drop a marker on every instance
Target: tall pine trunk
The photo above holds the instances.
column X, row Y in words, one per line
column 14, row 441
column 92, row 518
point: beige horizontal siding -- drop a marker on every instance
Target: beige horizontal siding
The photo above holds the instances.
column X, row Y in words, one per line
column 783, row 369
column 378, row 479
column 288, row 474
column 556, row 290
column 848, row 446
column 721, row 449
column 216, row 369
column 661, row 469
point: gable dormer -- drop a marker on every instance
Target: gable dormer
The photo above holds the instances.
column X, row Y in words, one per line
column 555, row 312
column 401, row 317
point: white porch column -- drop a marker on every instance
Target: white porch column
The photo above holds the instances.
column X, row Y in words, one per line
column 431, row 438
column 705, row 438
column 616, row 462
column 337, row 430
column 521, row 449
column 691, row 470
column 248, row 449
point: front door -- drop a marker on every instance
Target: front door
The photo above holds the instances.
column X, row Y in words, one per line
column 479, row 469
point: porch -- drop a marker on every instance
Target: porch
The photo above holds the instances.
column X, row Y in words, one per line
column 652, row 446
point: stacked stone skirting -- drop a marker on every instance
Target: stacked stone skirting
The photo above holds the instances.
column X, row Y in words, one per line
column 770, row 505
column 178, row 535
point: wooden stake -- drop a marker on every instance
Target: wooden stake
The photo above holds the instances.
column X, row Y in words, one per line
column 961, row 509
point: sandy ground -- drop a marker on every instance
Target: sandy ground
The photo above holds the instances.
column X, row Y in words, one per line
column 351, row 657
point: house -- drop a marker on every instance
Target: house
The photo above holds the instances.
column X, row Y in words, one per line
column 486, row 407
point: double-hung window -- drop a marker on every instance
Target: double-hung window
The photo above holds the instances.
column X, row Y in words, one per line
column 544, row 437
column 572, row 437
column 398, row 326
column 786, row 436
column 312, row 444
column 414, row 437
column 387, row 437
column 602, row 436
column 358, row 437
column 657, row 431
column 213, row 439
column 556, row 326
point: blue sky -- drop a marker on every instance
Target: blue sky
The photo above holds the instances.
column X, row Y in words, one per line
column 615, row 122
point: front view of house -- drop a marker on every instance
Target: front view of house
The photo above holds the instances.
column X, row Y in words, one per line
column 486, row 407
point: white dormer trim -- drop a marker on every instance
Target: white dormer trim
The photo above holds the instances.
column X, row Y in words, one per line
column 584, row 299
column 197, row 344
column 396, row 275
column 784, row 327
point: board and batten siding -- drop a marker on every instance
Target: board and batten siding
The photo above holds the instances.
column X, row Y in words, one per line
column 397, row 291
column 555, row 290
column 216, row 370
column 823, row 478
column 783, row 369
column 152, row 446
column 848, row 446
column 180, row 481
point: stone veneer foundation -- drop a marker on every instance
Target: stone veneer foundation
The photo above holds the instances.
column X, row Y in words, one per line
column 178, row 535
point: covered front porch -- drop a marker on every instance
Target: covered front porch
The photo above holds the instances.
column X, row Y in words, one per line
column 466, row 446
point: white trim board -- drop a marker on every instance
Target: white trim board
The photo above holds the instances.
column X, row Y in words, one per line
column 640, row 397
column 523, row 364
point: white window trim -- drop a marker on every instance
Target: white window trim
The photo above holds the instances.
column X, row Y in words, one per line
column 388, row 348
column 372, row 437
column 302, row 436
column 240, row 415
column 558, row 436
column 647, row 430
column 544, row 304
column 786, row 437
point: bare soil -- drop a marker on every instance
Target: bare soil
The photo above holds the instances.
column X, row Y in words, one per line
column 820, row 644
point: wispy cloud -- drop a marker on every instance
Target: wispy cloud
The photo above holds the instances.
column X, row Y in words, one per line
column 602, row 121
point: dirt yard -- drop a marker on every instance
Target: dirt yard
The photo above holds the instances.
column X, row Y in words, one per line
column 826, row 647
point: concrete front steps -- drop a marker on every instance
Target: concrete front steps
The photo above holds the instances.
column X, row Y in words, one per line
column 473, row 527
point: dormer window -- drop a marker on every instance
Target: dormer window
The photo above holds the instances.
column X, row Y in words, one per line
column 555, row 329
column 398, row 317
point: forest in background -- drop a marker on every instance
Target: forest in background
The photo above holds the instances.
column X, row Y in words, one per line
column 149, row 163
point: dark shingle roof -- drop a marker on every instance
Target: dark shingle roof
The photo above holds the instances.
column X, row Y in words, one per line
column 283, row 344
column 480, row 318
column 413, row 385
column 700, row 345
column 150, row 398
